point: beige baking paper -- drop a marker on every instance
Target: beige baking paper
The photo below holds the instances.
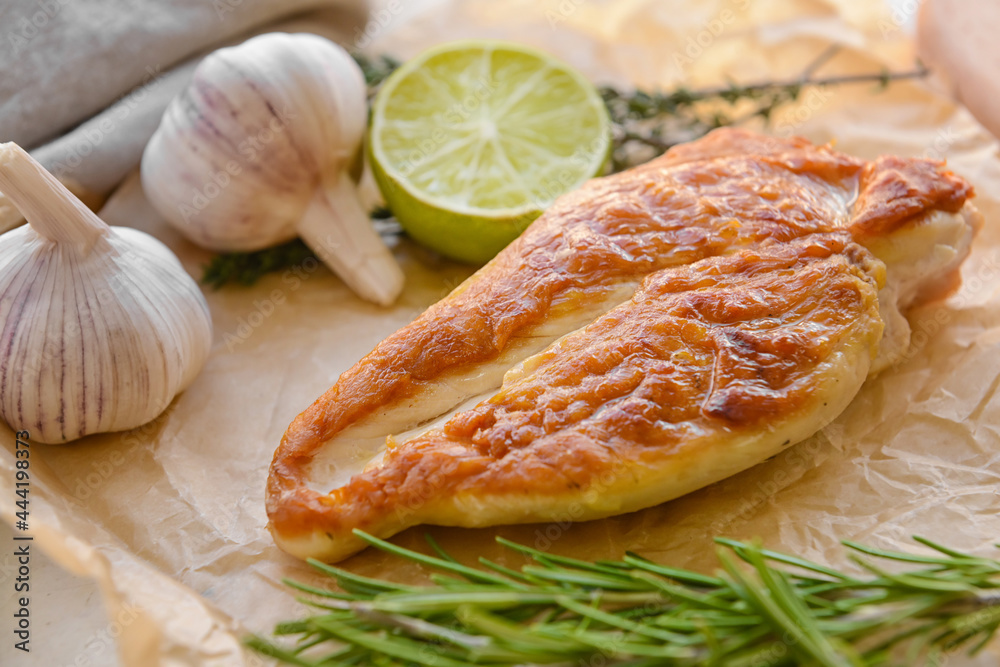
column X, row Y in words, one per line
column 169, row 519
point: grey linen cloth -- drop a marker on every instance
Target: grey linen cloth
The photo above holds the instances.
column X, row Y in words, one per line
column 83, row 83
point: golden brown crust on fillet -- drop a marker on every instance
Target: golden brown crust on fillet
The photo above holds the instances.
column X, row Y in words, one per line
column 753, row 321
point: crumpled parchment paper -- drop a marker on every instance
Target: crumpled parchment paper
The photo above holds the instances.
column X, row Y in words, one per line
column 169, row 518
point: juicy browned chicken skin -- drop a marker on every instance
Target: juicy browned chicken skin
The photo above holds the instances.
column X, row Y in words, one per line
column 651, row 333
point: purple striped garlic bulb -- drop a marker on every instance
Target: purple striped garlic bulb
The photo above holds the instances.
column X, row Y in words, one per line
column 257, row 150
column 100, row 327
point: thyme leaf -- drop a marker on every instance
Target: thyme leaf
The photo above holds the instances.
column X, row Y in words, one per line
column 645, row 124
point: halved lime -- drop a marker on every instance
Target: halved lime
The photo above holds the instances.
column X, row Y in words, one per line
column 472, row 140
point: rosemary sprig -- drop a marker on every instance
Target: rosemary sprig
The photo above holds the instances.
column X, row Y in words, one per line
column 762, row 608
column 644, row 125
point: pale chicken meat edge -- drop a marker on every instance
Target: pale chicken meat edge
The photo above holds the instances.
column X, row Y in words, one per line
column 652, row 333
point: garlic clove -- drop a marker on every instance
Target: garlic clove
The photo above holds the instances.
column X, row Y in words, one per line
column 257, row 150
column 100, row 327
column 353, row 251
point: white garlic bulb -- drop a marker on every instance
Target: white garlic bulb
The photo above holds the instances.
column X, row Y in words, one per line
column 257, row 150
column 100, row 327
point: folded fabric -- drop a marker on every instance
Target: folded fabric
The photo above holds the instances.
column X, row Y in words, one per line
column 83, row 83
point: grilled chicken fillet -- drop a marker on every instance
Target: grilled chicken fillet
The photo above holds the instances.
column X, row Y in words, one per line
column 651, row 333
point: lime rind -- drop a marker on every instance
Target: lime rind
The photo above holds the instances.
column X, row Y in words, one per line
column 472, row 140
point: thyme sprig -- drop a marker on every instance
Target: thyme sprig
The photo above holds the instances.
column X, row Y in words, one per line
column 761, row 608
column 376, row 69
column 246, row 268
column 644, row 125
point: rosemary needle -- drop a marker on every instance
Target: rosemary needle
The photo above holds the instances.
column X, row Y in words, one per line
column 762, row 608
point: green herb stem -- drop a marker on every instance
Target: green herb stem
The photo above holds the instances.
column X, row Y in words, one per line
column 762, row 608
column 644, row 124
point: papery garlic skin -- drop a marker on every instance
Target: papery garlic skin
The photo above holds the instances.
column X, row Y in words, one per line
column 99, row 330
column 257, row 151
